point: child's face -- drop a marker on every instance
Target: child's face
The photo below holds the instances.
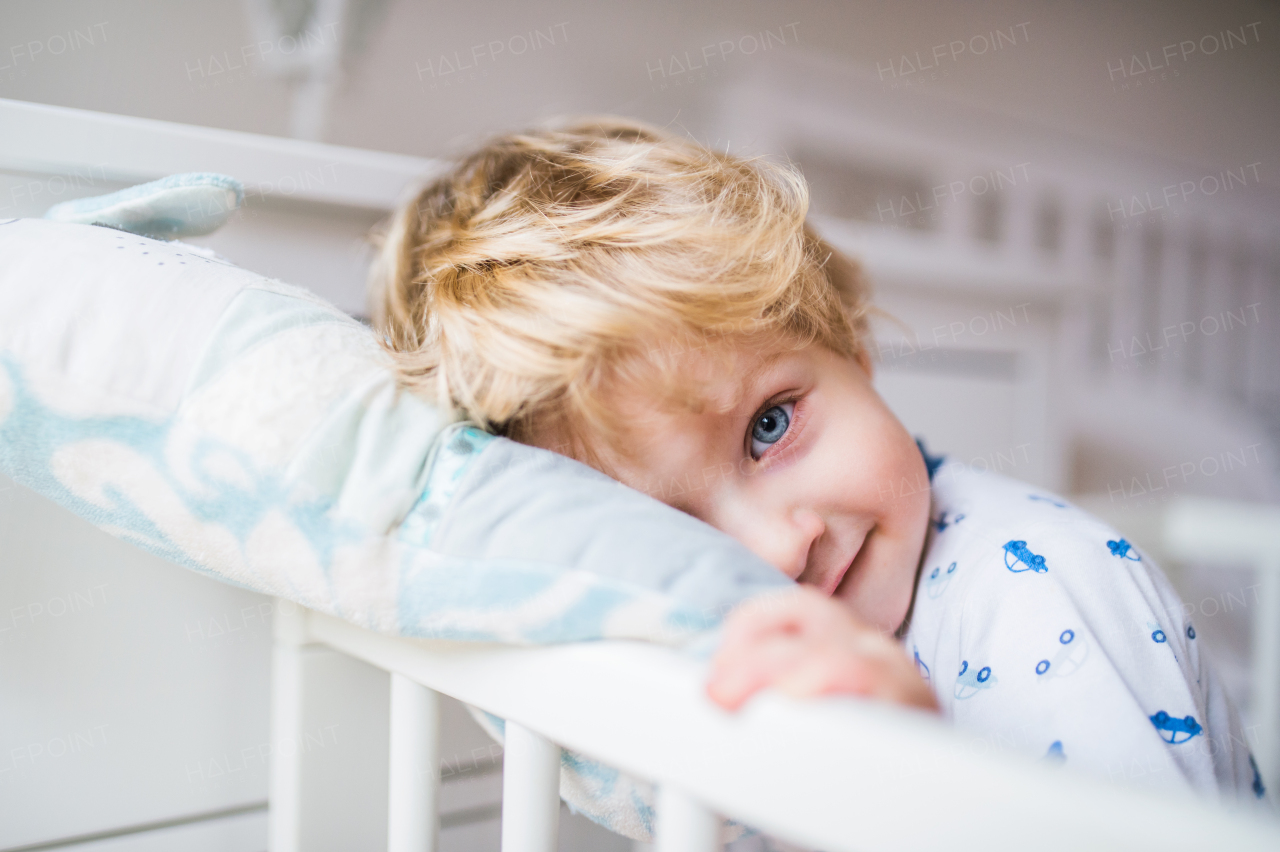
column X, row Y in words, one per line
column 796, row 456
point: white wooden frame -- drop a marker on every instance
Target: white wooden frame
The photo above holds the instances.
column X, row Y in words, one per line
column 1218, row 531
column 836, row 774
column 46, row 140
column 792, row 769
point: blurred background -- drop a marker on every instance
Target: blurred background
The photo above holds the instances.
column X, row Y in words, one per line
column 1070, row 213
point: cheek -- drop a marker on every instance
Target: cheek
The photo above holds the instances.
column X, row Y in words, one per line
column 880, row 453
column 903, row 488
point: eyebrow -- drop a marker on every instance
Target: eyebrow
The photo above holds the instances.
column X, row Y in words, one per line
column 754, row 375
column 749, row 383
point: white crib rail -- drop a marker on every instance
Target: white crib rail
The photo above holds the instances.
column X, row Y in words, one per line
column 1231, row 532
column 836, row 774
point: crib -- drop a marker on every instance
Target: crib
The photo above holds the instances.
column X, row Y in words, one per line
column 835, row 774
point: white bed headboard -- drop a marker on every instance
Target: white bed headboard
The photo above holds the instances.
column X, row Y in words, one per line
column 308, row 206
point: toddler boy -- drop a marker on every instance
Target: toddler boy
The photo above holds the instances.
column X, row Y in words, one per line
column 663, row 313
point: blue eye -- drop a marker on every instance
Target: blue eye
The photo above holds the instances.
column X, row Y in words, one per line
column 770, row 427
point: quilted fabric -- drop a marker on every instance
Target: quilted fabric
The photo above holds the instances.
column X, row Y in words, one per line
column 250, row 431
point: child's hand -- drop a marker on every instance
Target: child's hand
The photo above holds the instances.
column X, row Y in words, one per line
column 806, row 644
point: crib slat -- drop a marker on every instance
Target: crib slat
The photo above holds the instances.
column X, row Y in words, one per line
column 684, row 824
column 412, row 812
column 289, row 627
column 530, row 791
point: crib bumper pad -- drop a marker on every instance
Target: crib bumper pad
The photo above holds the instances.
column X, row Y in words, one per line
column 185, row 205
column 248, row 430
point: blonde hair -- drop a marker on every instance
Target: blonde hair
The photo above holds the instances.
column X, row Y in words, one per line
column 548, row 263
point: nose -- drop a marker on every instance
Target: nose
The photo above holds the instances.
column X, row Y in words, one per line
column 785, row 539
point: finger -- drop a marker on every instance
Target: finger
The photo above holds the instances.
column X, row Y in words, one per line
column 883, row 679
column 764, row 614
column 769, row 653
column 739, row 672
column 731, row 687
column 828, row 676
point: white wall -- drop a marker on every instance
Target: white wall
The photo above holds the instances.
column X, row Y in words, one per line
column 153, row 58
